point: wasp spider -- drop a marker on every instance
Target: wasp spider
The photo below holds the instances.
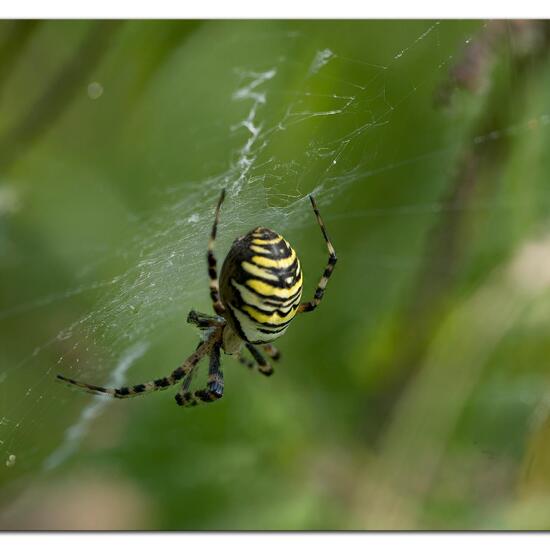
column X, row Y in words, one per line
column 255, row 300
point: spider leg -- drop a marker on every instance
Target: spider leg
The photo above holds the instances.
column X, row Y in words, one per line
column 244, row 361
column 189, row 376
column 272, row 351
column 211, row 258
column 332, row 259
column 202, row 320
column 154, row 385
column 188, row 379
column 263, row 366
column 214, row 386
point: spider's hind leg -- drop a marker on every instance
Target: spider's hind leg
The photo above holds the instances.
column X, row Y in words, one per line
column 214, row 386
column 244, row 361
column 154, row 385
column 263, row 366
column 272, row 351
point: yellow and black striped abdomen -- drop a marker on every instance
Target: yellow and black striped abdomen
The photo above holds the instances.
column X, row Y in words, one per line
column 261, row 285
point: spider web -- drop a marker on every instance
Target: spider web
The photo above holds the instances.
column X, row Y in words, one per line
column 133, row 309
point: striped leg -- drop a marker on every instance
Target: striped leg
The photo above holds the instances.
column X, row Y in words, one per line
column 214, row 386
column 212, row 271
column 263, row 366
column 202, row 320
column 272, row 351
column 318, row 296
column 153, row 385
column 188, row 379
column 244, row 361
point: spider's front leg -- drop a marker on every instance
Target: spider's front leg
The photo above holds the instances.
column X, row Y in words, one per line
column 219, row 308
column 332, row 259
column 214, row 386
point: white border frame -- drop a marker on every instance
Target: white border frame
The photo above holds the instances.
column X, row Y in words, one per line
column 282, row 9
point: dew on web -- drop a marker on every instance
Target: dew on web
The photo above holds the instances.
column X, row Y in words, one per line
column 320, row 60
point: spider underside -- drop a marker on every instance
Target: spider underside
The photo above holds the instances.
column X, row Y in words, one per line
column 248, row 317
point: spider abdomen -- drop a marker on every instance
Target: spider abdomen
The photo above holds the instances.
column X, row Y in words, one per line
column 261, row 285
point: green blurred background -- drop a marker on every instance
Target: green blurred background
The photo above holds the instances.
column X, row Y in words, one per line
column 415, row 397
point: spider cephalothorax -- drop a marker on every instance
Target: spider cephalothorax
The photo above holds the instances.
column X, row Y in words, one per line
column 261, row 287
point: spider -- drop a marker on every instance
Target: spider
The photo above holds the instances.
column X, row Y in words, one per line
column 255, row 300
